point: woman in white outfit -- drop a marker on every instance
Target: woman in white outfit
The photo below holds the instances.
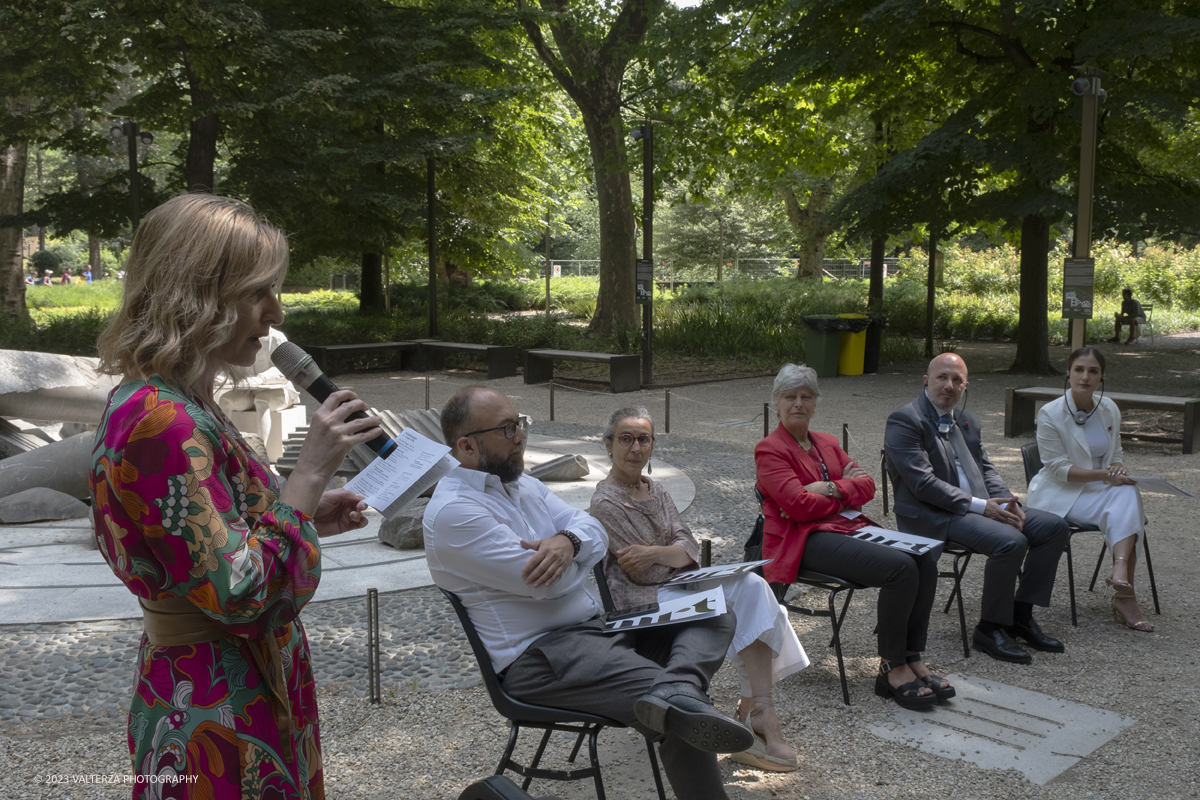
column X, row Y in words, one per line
column 1083, row 477
column 649, row 544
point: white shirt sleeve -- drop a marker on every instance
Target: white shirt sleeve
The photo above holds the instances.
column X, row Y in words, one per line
column 475, row 545
column 593, row 538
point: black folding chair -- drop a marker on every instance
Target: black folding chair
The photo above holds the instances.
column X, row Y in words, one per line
column 834, row 586
column 962, row 559
column 545, row 718
column 1032, row 460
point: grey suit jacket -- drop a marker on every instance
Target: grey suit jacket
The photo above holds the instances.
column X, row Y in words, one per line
column 921, row 466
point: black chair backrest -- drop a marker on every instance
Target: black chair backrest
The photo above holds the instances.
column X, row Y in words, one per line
column 1032, row 460
column 602, row 584
column 481, row 654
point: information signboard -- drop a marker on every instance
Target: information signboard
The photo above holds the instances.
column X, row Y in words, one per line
column 645, row 281
column 1078, row 284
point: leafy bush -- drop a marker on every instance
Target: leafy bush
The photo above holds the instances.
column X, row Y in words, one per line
column 322, row 300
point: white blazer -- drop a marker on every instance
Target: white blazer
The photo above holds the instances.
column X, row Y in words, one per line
column 1062, row 445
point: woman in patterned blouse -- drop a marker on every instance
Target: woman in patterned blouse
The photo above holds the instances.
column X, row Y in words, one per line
column 220, row 556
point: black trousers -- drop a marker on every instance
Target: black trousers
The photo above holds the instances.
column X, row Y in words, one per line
column 585, row 669
column 906, row 583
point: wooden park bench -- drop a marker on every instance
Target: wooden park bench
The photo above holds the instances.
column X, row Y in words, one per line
column 1019, row 414
column 330, row 357
column 624, row 372
column 501, row 360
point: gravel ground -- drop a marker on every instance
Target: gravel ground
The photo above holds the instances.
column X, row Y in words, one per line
column 65, row 687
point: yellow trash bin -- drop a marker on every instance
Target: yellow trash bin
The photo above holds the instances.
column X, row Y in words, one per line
column 852, row 348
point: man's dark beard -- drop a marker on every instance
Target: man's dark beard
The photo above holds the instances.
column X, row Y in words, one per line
column 507, row 470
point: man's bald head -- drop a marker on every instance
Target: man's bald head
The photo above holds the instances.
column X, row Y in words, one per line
column 951, row 360
column 946, row 381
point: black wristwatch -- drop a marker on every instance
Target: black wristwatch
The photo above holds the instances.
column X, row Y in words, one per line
column 573, row 539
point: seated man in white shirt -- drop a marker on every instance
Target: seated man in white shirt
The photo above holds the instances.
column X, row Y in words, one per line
column 519, row 559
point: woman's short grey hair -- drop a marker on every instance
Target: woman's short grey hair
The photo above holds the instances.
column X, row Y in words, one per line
column 792, row 377
column 629, row 412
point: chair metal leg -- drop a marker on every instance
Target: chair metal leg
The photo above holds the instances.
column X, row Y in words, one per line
column 1071, row 582
column 596, row 762
column 958, row 572
column 962, row 624
column 575, row 749
column 658, row 784
column 837, row 638
column 1150, row 572
column 1099, row 562
column 537, row 758
column 514, row 730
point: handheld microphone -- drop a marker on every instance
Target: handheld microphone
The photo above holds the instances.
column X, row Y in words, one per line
column 299, row 368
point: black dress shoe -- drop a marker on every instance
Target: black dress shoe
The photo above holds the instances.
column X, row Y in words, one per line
column 999, row 645
column 1032, row 633
column 682, row 710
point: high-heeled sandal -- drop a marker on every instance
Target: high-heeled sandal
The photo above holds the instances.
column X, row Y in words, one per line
column 1144, row 625
column 906, row 695
column 934, row 682
column 1122, row 584
column 757, row 755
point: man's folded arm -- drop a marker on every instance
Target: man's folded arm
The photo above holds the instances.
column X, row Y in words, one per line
column 474, row 545
column 593, row 538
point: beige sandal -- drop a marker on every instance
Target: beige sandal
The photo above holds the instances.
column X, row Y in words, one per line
column 1142, row 624
column 757, row 755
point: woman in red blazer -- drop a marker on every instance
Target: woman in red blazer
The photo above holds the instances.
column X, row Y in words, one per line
column 812, row 493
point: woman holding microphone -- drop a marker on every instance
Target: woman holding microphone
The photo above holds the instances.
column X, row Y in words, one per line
column 220, row 554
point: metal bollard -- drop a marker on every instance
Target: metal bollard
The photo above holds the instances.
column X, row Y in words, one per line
column 552, row 401
column 373, row 646
column 846, row 437
column 766, row 420
column 667, row 427
column 426, row 392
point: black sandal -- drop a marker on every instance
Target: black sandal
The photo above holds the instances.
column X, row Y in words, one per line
column 934, row 682
column 905, row 695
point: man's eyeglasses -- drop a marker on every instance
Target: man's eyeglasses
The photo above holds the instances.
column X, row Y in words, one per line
column 523, row 422
column 627, row 440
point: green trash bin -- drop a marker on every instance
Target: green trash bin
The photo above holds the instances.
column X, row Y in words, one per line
column 822, row 343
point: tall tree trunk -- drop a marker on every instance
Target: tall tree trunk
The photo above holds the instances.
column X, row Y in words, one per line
column 94, row 257
column 812, row 224
column 875, row 289
column 370, row 297
column 1033, row 330
column 198, row 169
column 591, row 69
column 615, row 305
column 13, row 160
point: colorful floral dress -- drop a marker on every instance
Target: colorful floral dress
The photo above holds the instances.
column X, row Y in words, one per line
column 183, row 510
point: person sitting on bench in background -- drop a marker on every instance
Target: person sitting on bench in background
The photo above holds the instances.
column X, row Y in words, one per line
column 1131, row 314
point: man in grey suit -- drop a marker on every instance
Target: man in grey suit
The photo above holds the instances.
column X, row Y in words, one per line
column 946, row 488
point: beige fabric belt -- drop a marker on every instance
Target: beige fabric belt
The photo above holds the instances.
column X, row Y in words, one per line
column 175, row 621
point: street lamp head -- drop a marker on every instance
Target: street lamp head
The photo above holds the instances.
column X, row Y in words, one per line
column 1101, row 96
column 147, row 137
column 116, row 131
column 1080, row 86
column 637, row 135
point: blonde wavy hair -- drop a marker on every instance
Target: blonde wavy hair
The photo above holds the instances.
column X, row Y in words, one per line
column 192, row 261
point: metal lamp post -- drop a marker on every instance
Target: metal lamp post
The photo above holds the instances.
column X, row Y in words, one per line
column 133, row 135
column 645, row 265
